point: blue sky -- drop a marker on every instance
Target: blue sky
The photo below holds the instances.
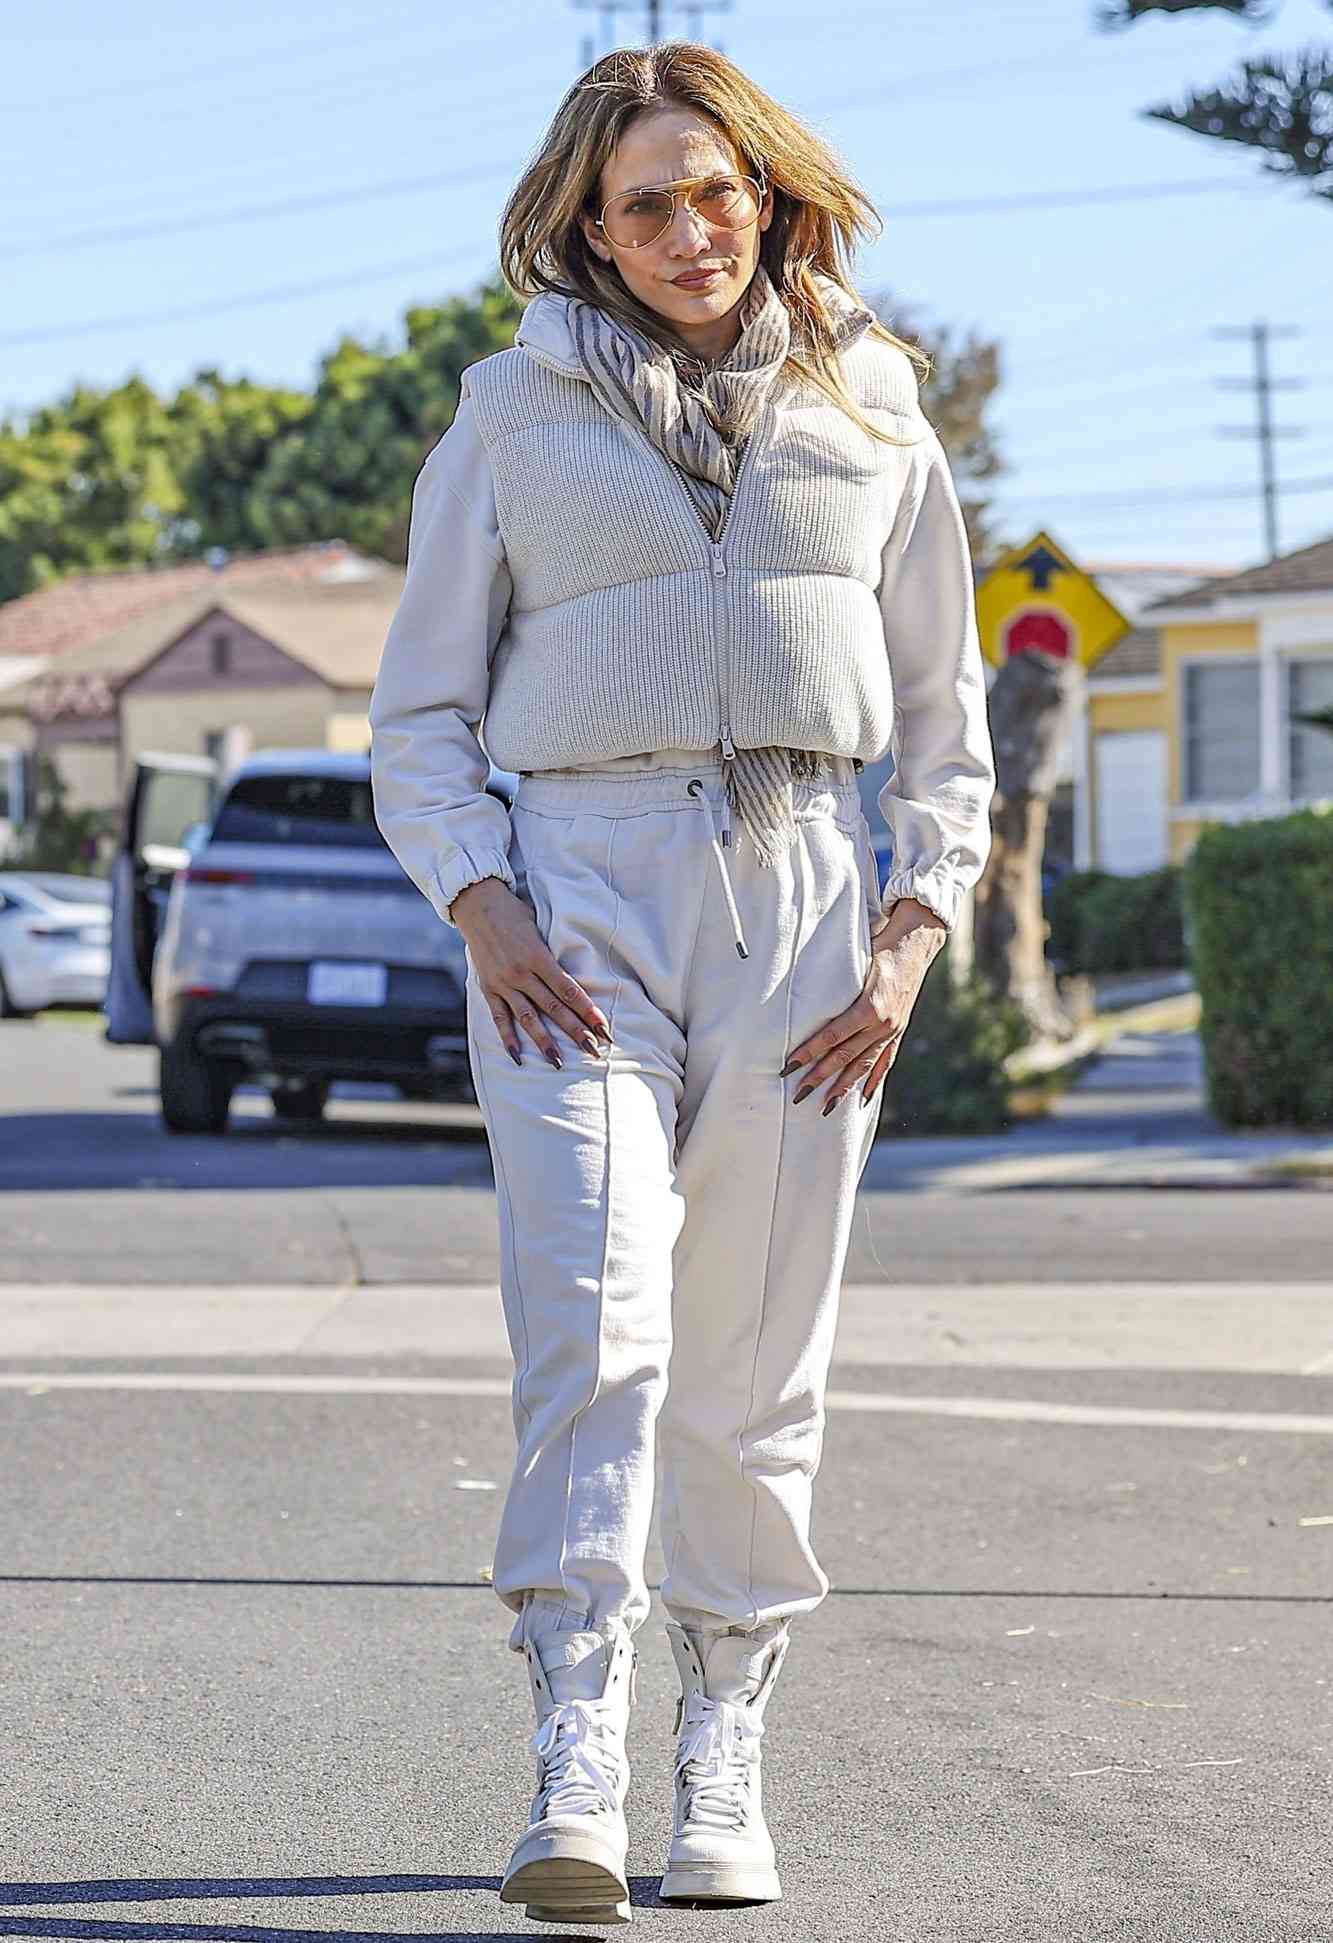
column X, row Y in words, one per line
column 162, row 164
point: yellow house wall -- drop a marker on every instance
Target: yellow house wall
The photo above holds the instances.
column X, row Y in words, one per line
column 1114, row 714
column 295, row 717
column 349, row 722
column 1109, row 713
column 90, row 773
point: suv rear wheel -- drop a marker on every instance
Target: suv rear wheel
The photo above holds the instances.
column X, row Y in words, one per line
column 196, row 1092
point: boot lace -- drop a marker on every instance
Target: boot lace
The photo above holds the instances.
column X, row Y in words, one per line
column 716, row 1757
column 577, row 1747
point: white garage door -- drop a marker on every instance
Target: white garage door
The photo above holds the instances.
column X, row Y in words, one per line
column 1131, row 800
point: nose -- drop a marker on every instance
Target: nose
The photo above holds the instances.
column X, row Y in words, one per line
column 685, row 225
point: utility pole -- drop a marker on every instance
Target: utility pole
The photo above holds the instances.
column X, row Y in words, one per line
column 651, row 11
column 1263, row 385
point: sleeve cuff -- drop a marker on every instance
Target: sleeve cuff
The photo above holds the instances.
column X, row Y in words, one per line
column 464, row 870
column 940, row 895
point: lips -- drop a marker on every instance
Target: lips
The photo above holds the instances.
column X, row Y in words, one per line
column 696, row 282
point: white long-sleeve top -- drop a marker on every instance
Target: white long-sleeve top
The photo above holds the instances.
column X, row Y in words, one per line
column 564, row 604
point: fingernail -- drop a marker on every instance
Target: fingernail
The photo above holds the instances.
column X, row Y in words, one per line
column 825, row 1111
column 803, row 1093
column 515, row 1055
column 589, row 1043
column 789, row 1068
column 552, row 1056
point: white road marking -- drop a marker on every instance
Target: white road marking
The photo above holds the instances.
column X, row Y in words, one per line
column 37, row 1383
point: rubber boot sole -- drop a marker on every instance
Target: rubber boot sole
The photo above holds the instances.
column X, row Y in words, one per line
column 601, row 1913
column 564, row 1869
column 721, row 1885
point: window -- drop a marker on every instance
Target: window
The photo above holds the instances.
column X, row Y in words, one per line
column 1221, row 704
column 1309, row 747
column 221, row 654
column 299, row 809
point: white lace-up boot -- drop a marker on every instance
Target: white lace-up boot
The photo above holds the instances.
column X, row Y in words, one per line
column 568, row 1865
column 721, row 1850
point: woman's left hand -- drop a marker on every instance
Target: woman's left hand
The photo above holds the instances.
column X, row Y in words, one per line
column 862, row 1042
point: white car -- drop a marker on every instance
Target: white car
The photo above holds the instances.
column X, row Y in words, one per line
column 268, row 934
column 55, row 940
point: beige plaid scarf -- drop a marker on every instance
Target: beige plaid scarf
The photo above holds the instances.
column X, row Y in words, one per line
column 699, row 415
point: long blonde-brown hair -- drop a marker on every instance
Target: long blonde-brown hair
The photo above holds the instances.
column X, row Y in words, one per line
column 818, row 211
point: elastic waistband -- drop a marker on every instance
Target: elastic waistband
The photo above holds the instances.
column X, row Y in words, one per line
column 660, row 779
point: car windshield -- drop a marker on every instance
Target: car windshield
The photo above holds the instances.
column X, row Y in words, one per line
column 299, row 809
column 70, row 890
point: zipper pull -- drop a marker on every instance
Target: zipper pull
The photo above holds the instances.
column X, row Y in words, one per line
column 719, row 564
column 728, row 746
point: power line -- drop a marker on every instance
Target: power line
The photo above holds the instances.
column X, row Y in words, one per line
column 1263, row 386
column 252, row 299
column 1165, row 496
column 258, row 211
column 423, row 184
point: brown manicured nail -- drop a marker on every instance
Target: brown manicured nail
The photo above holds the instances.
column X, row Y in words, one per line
column 789, row 1068
column 515, row 1055
column 589, row 1043
column 802, row 1093
column 553, row 1057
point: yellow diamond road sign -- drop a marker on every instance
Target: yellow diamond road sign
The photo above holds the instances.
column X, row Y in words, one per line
column 1036, row 599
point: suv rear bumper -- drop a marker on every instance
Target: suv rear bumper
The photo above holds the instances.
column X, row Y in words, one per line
column 293, row 1040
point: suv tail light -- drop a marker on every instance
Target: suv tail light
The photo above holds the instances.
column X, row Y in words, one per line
column 204, row 874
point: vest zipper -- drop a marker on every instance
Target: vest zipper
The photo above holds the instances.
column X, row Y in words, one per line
column 719, row 564
column 721, row 640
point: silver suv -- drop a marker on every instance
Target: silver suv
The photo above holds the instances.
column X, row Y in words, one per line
column 280, row 940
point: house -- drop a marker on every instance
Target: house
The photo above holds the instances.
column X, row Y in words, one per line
column 278, row 648
column 1192, row 718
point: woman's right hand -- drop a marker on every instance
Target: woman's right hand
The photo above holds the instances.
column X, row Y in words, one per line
column 520, row 977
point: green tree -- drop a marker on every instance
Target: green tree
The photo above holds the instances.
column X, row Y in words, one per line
column 90, row 482
column 1281, row 105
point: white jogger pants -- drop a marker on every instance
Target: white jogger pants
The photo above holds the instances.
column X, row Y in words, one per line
column 673, row 1229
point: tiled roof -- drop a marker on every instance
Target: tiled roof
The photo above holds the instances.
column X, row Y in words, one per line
column 334, row 623
column 84, row 607
column 1136, row 653
column 1307, row 571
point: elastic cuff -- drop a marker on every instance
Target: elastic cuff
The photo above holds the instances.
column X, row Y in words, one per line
column 943, row 898
column 464, row 870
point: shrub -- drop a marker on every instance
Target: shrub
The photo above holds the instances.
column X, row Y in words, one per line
column 949, row 1075
column 1260, row 902
column 1100, row 922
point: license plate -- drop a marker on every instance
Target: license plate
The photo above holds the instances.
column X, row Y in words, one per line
column 331, row 982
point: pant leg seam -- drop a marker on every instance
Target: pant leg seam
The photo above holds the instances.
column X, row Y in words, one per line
column 498, row 1157
column 768, row 1261
column 606, row 1225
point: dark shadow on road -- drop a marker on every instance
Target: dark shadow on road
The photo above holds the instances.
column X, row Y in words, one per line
column 644, row 1893
column 49, row 1152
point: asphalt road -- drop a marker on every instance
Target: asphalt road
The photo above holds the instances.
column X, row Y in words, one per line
column 1072, row 1679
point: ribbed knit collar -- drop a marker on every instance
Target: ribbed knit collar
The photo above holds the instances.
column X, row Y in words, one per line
column 544, row 329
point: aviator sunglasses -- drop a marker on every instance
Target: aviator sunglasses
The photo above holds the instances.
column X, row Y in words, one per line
column 639, row 216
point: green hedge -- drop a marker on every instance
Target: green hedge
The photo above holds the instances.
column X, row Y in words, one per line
column 949, row 1075
column 1260, row 903
column 1100, row 922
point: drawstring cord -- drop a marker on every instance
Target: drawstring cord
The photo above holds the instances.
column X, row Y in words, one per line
column 717, row 840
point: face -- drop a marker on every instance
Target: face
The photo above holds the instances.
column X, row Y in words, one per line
column 658, row 149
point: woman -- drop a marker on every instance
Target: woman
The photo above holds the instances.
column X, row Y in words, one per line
column 693, row 551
